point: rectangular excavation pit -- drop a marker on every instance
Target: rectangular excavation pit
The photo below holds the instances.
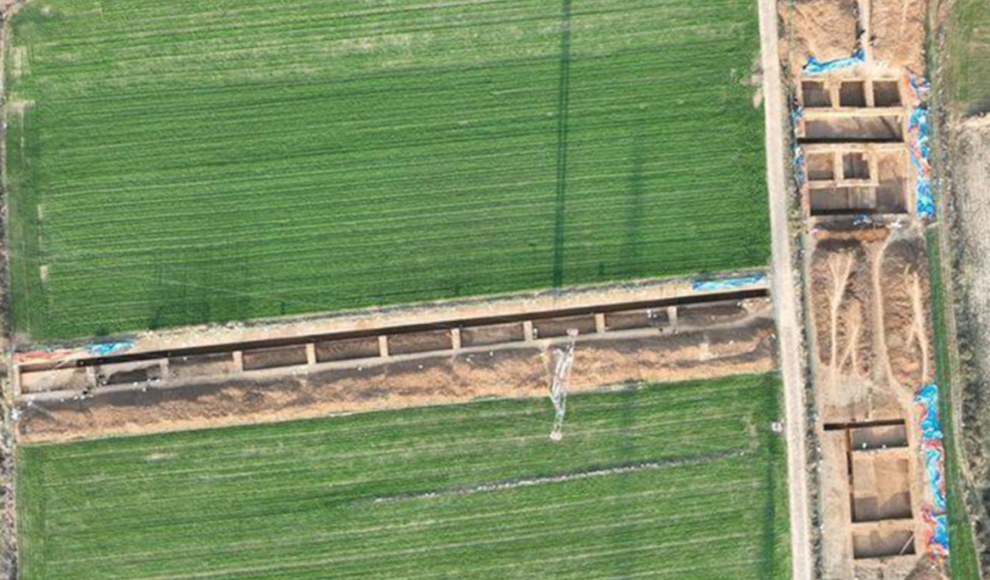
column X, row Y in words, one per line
column 879, row 437
column 881, row 486
column 843, row 201
column 705, row 315
column 347, row 349
column 886, row 94
column 201, row 365
column 892, row 184
column 852, row 94
column 70, row 378
column 492, row 334
column 128, row 373
column 882, row 544
column 855, row 129
column 557, row 327
column 635, row 319
column 270, row 358
column 420, row 342
column 814, row 94
column 821, row 166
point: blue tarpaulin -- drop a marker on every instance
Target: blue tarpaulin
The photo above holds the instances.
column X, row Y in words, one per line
column 931, row 443
column 109, row 348
column 919, row 139
column 938, row 533
column 816, row 67
column 727, row 283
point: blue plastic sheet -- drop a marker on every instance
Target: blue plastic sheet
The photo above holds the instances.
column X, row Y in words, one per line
column 920, row 142
column 931, row 443
column 815, row 66
column 931, row 427
column 109, row 348
column 727, row 283
column 938, row 534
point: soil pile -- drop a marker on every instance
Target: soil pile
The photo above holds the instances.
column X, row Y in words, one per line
column 906, row 296
column 898, row 33
column 841, row 298
column 824, row 29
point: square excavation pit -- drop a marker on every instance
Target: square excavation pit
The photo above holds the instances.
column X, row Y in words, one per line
column 852, row 94
column 881, row 486
column 882, row 544
column 855, row 166
column 821, row 167
column 815, row 95
column 886, row 94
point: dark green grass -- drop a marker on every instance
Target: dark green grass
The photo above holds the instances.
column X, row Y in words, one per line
column 963, row 557
column 297, row 500
column 212, row 160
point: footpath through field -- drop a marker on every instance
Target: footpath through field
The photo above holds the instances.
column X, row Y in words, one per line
column 785, row 299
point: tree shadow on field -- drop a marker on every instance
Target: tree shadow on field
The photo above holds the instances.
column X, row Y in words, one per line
column 632, row 253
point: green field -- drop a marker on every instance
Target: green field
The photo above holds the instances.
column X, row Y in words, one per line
column 963, row 559
column 968, row 46
column 418, row 494
column 210, row 160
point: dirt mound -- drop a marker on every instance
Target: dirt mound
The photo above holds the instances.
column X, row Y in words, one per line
column 824, row 29
column 906, row 296
column 898, row 33
column 841, row 302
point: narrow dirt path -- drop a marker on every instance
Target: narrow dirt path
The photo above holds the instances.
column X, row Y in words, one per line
column 785, row 300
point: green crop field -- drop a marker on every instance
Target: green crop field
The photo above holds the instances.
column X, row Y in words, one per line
column 682, row 481
column 968, row 44
column 199, row 161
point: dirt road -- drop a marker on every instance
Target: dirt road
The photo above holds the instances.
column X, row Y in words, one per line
column 784, row 296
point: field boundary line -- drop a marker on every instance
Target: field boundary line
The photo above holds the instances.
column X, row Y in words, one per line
column 563, row 477
column 785, row 302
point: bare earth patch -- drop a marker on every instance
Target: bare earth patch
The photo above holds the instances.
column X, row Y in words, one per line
column 504, row 373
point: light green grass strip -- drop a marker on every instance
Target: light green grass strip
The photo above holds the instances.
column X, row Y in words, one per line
column 209, row 160
column 298, row 500
column 963, row 557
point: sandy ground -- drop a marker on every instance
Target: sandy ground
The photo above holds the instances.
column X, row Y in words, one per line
column 786, row 292
column 508, row 373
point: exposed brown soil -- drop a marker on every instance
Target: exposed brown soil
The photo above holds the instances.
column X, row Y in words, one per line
column 898, row 33
column 824, row 29
column 506, row 373
column 842, row 308
column 906, row 297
